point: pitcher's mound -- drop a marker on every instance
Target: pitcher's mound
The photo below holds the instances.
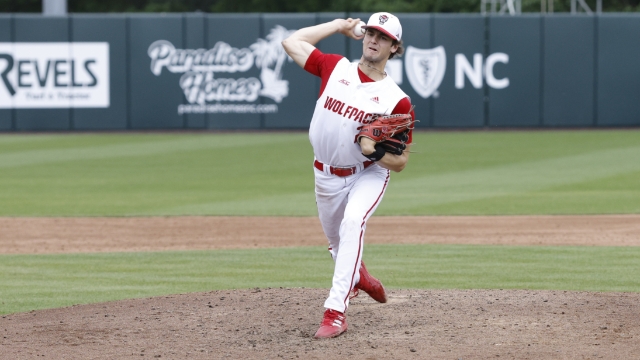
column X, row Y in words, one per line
column 280, row 323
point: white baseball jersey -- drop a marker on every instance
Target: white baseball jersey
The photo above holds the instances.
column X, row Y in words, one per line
column 345, row 104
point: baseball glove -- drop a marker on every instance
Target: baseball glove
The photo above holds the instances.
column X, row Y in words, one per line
column 383, row 127
column 396, row 144
column 390, row 132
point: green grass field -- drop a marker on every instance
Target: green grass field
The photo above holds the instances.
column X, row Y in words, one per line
column 450, row 173
column 33, row 282
column 551, row 172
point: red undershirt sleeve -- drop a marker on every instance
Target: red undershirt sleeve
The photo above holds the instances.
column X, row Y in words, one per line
column 322, row 65
column 403, row 107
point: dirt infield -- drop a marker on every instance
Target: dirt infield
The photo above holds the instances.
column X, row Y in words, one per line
column 279, row 323
column 67, row 235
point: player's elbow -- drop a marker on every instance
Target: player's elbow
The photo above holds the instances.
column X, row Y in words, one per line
column 287, row 44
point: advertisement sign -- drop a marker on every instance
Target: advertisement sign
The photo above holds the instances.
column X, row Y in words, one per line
column 54, row 75
column 425, row 69
column 230, row 71
column 212, row 76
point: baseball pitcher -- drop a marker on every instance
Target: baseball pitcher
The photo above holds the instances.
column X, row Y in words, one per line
column 360, row 131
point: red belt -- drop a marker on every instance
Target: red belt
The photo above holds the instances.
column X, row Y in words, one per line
column 341, row 171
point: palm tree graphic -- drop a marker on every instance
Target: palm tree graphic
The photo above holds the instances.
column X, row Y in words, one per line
column 270, row 58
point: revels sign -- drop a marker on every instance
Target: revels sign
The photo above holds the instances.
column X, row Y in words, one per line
column 54, row 75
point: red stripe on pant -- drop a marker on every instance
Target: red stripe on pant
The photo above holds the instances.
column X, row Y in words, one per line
column 355, row 266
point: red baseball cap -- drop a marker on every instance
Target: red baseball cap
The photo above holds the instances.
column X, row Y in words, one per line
column 386, row 23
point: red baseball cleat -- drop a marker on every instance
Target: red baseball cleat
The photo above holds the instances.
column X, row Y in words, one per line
column 371, row 285
column 333, row 324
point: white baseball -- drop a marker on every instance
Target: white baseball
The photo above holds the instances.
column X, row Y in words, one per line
column 358, row 30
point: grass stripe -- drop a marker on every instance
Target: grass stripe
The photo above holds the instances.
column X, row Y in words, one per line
column 512, row 178
column 181, row 144
column 43, row 281
column 296, row 204
column 452, row 187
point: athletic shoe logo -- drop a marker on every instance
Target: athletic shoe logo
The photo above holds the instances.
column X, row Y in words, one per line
column 425, row 69
column 383, row 19
column 343, row 81
column 375, row 100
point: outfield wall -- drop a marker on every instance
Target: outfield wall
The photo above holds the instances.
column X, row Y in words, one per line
column 229, row 71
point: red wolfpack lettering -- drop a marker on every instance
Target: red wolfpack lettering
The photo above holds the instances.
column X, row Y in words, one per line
column 351, row 112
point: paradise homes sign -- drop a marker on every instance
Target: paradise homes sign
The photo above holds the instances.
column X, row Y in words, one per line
column 205, row 89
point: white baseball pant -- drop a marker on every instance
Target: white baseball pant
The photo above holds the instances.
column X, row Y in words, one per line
column 344, row 206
